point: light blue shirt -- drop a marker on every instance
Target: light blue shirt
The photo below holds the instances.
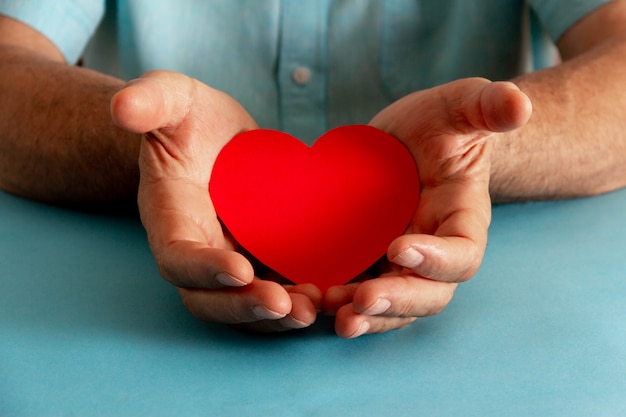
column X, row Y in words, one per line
column 304, row 66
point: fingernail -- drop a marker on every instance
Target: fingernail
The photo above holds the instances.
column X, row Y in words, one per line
column 363, row 328
column 409, row 258
column 293, row 323
column 379, row 307
column 229, row 280
column 265, row 313
column 510, row 85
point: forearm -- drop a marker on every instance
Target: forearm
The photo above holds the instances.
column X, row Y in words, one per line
column 57, row 139
column 575, row 143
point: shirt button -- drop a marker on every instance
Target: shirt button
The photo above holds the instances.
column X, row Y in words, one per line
column 301, row 75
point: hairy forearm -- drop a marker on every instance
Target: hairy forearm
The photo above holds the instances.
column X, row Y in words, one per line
column 57, row 139
column 575, row 142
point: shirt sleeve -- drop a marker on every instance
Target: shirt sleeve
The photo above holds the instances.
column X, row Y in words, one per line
column 69, row 24
column 557, row 16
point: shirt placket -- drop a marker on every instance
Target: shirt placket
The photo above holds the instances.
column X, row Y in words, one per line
column 302, row 68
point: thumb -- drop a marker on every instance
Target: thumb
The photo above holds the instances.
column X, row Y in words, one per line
column 156, row 100
column 499, row 107
column 471, row 107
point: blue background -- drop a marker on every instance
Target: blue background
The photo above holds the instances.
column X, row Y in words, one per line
column 87, row 327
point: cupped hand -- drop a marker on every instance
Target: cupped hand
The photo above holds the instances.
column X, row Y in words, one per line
column 185, row 124
column 447, row 129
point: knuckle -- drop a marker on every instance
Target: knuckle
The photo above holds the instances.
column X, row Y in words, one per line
column 390, row 324
column 188, row 303
column 442, row 298
column 166, row 271
column 472, row 267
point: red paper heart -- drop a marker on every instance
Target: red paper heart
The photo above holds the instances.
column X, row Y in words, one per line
column 318, row 215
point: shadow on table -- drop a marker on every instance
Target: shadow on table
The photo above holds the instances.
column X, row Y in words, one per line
column 84, row 273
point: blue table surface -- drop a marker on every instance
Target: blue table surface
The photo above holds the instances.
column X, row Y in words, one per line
column 88, row 328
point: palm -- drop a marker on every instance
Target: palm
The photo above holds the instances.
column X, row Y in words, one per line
column 446, row 129
column 187, row 124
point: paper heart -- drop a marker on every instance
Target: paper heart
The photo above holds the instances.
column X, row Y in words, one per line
column 318, row 215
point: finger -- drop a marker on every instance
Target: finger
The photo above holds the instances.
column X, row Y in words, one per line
column 503, row 107
column 402, row 296
column 186, row 239
column 190, row 264
column 310, row 291
column 175, row 211
column 303, row 309
column 259, row 300
column 465, row 110
column 350, row 324
column 338, row 296
column 448, row 258
column 173, row 106
column 156, row 100
column 479, row 106
column 446, row 242
column 302, row 315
